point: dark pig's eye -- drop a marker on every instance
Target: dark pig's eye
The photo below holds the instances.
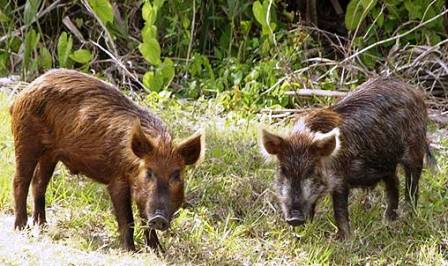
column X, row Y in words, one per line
column 283, row 170
column 175, row 176
column 150, row 175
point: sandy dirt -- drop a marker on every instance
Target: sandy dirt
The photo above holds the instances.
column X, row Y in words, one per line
column 31, row 247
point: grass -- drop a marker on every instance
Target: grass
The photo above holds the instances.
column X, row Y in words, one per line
column 233, row 216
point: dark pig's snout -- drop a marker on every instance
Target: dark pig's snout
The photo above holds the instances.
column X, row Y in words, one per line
column 158, row 221
column 295, row 218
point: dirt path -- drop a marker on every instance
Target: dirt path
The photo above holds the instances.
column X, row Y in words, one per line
column 32, row 248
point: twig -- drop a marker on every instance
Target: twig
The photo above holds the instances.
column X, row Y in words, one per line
column 119, row 63
column 111, row 46
column 315, row 92
column 109, row 40
column 41, row 14
column 393, row 38
column 268, row 21
column 69, row 24
column 190, row 44
column 383, row 42
column 282, row 110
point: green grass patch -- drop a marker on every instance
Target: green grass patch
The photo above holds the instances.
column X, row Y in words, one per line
column 233, row 217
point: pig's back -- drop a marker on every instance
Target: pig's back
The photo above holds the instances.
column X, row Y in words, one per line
column 86, row 121
column 381, row 119
column 67, row 97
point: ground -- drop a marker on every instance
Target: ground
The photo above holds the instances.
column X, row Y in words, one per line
column 232, row 215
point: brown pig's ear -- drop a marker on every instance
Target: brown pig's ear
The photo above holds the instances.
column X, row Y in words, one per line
column 270, row 143
column 328, row 144
column 140, row 144
column 192, row 149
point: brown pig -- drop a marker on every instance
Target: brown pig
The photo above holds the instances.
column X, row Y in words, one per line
column 357, row 142
column 93, row 129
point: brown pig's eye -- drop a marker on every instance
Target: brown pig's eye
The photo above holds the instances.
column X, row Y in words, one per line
column 176, row 175
column 150, row 175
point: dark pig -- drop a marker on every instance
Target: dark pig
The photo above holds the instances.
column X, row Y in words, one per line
column 93, row 129
column 357, row 142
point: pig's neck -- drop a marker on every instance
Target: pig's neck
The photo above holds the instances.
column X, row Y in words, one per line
column 332, row 180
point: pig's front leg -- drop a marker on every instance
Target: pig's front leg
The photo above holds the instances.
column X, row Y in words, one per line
column 340, row 207
column 120, row 195
column 152, row 240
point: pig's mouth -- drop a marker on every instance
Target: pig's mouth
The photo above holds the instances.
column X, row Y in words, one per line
column 297, row 217
column 158, row 221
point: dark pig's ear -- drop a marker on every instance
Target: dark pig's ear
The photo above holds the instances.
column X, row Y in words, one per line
column 140, row 144
column 270, row 143
column 328, row 144
column 192, row 149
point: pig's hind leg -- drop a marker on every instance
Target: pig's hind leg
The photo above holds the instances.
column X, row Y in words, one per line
column 413, row 173
column 28, row 149
column 392, row 191
column 41, row 178
column 413, row 165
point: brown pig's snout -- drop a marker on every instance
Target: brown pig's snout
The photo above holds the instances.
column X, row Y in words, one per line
column 159, row 221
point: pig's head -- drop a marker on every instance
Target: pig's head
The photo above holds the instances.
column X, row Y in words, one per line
column 302, row 177
column 158, row 187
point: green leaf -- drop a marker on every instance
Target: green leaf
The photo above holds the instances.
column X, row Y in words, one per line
column 368, row 4
column 3, row 17
column 378, row 16
column 4, row 56
column 152, row 81
column 30, row 11
column 149, row 13
column 158, row 4
column 103, row 9
column 149, row 32
column 413, row 9
column 65, row 44
column 45, row 59
column 259, row 13
column 82, row 56
column 167, row 71
column 150, row 49
column 356, row 12
column 30, row 42
column 245, row 26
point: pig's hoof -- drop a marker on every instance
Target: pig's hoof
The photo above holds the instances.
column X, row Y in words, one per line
column 391, row 215
column 156, row 246
column 20, row 224
column 130, row 248
column 39, row 220
column 341, row 236
column 366, row 203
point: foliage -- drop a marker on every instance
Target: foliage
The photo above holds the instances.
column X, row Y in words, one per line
column 65, row 44
column 161, row 77
column 371, row 21
column 235, row 50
